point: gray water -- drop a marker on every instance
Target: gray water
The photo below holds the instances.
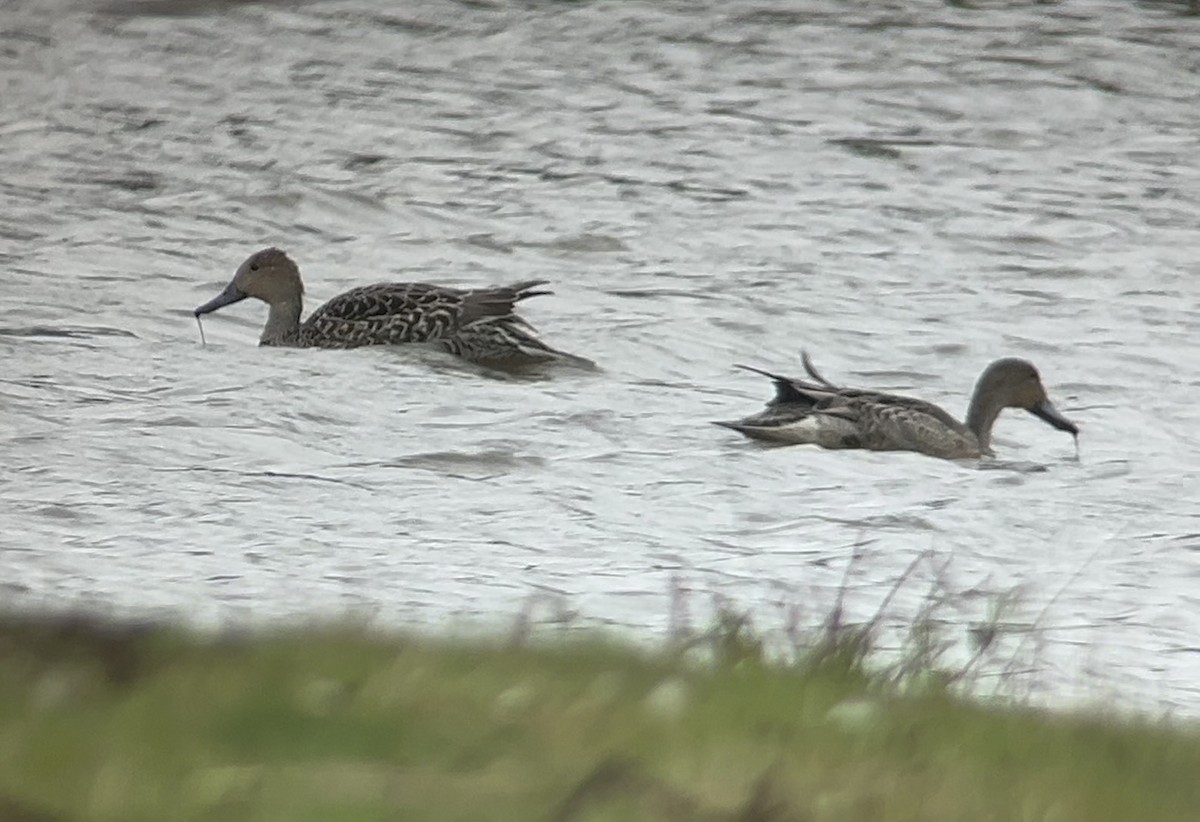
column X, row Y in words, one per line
column 907, row 190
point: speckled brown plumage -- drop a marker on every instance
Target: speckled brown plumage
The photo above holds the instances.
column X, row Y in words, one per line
column 478, row 324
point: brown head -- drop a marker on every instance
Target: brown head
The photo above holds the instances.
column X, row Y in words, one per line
column 1015, row 383
column 268, row 275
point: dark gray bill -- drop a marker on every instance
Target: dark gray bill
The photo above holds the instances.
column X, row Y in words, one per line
column 229, row 296
column 1046, row 411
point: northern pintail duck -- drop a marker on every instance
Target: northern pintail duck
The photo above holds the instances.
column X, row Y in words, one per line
column 827, row 415
column 477, row 324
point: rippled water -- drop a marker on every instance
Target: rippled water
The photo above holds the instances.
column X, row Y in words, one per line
column 906, row 190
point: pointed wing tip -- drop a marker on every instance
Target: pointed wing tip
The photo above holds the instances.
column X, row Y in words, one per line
column 759, row 371
column 530, row 288
column 576, row 361
column 812, row 371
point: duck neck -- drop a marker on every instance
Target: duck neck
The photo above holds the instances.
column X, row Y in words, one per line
column 981, row 416
column 283, row 323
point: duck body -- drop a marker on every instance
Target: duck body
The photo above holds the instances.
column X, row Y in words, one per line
column 473, row 323
column 477, row 324
column 819, row 413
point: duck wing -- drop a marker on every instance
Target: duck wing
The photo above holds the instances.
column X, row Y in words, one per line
column 891, row 422
column 789, row 390
column 498, row 301
column 796, row 414
column 819, row 394
column 490, row 332
column 390, row 313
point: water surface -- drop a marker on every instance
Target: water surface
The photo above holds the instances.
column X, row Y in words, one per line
column 906, row 190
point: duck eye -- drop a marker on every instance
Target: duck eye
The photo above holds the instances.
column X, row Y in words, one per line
column 254, row 266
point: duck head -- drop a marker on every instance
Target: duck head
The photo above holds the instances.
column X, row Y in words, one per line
column 1015, row 383
column 268, row 275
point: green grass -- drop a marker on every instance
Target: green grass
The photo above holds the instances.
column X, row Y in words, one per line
column 102, row 722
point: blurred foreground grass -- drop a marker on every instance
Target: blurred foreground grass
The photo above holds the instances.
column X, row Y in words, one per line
column 108, row 722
